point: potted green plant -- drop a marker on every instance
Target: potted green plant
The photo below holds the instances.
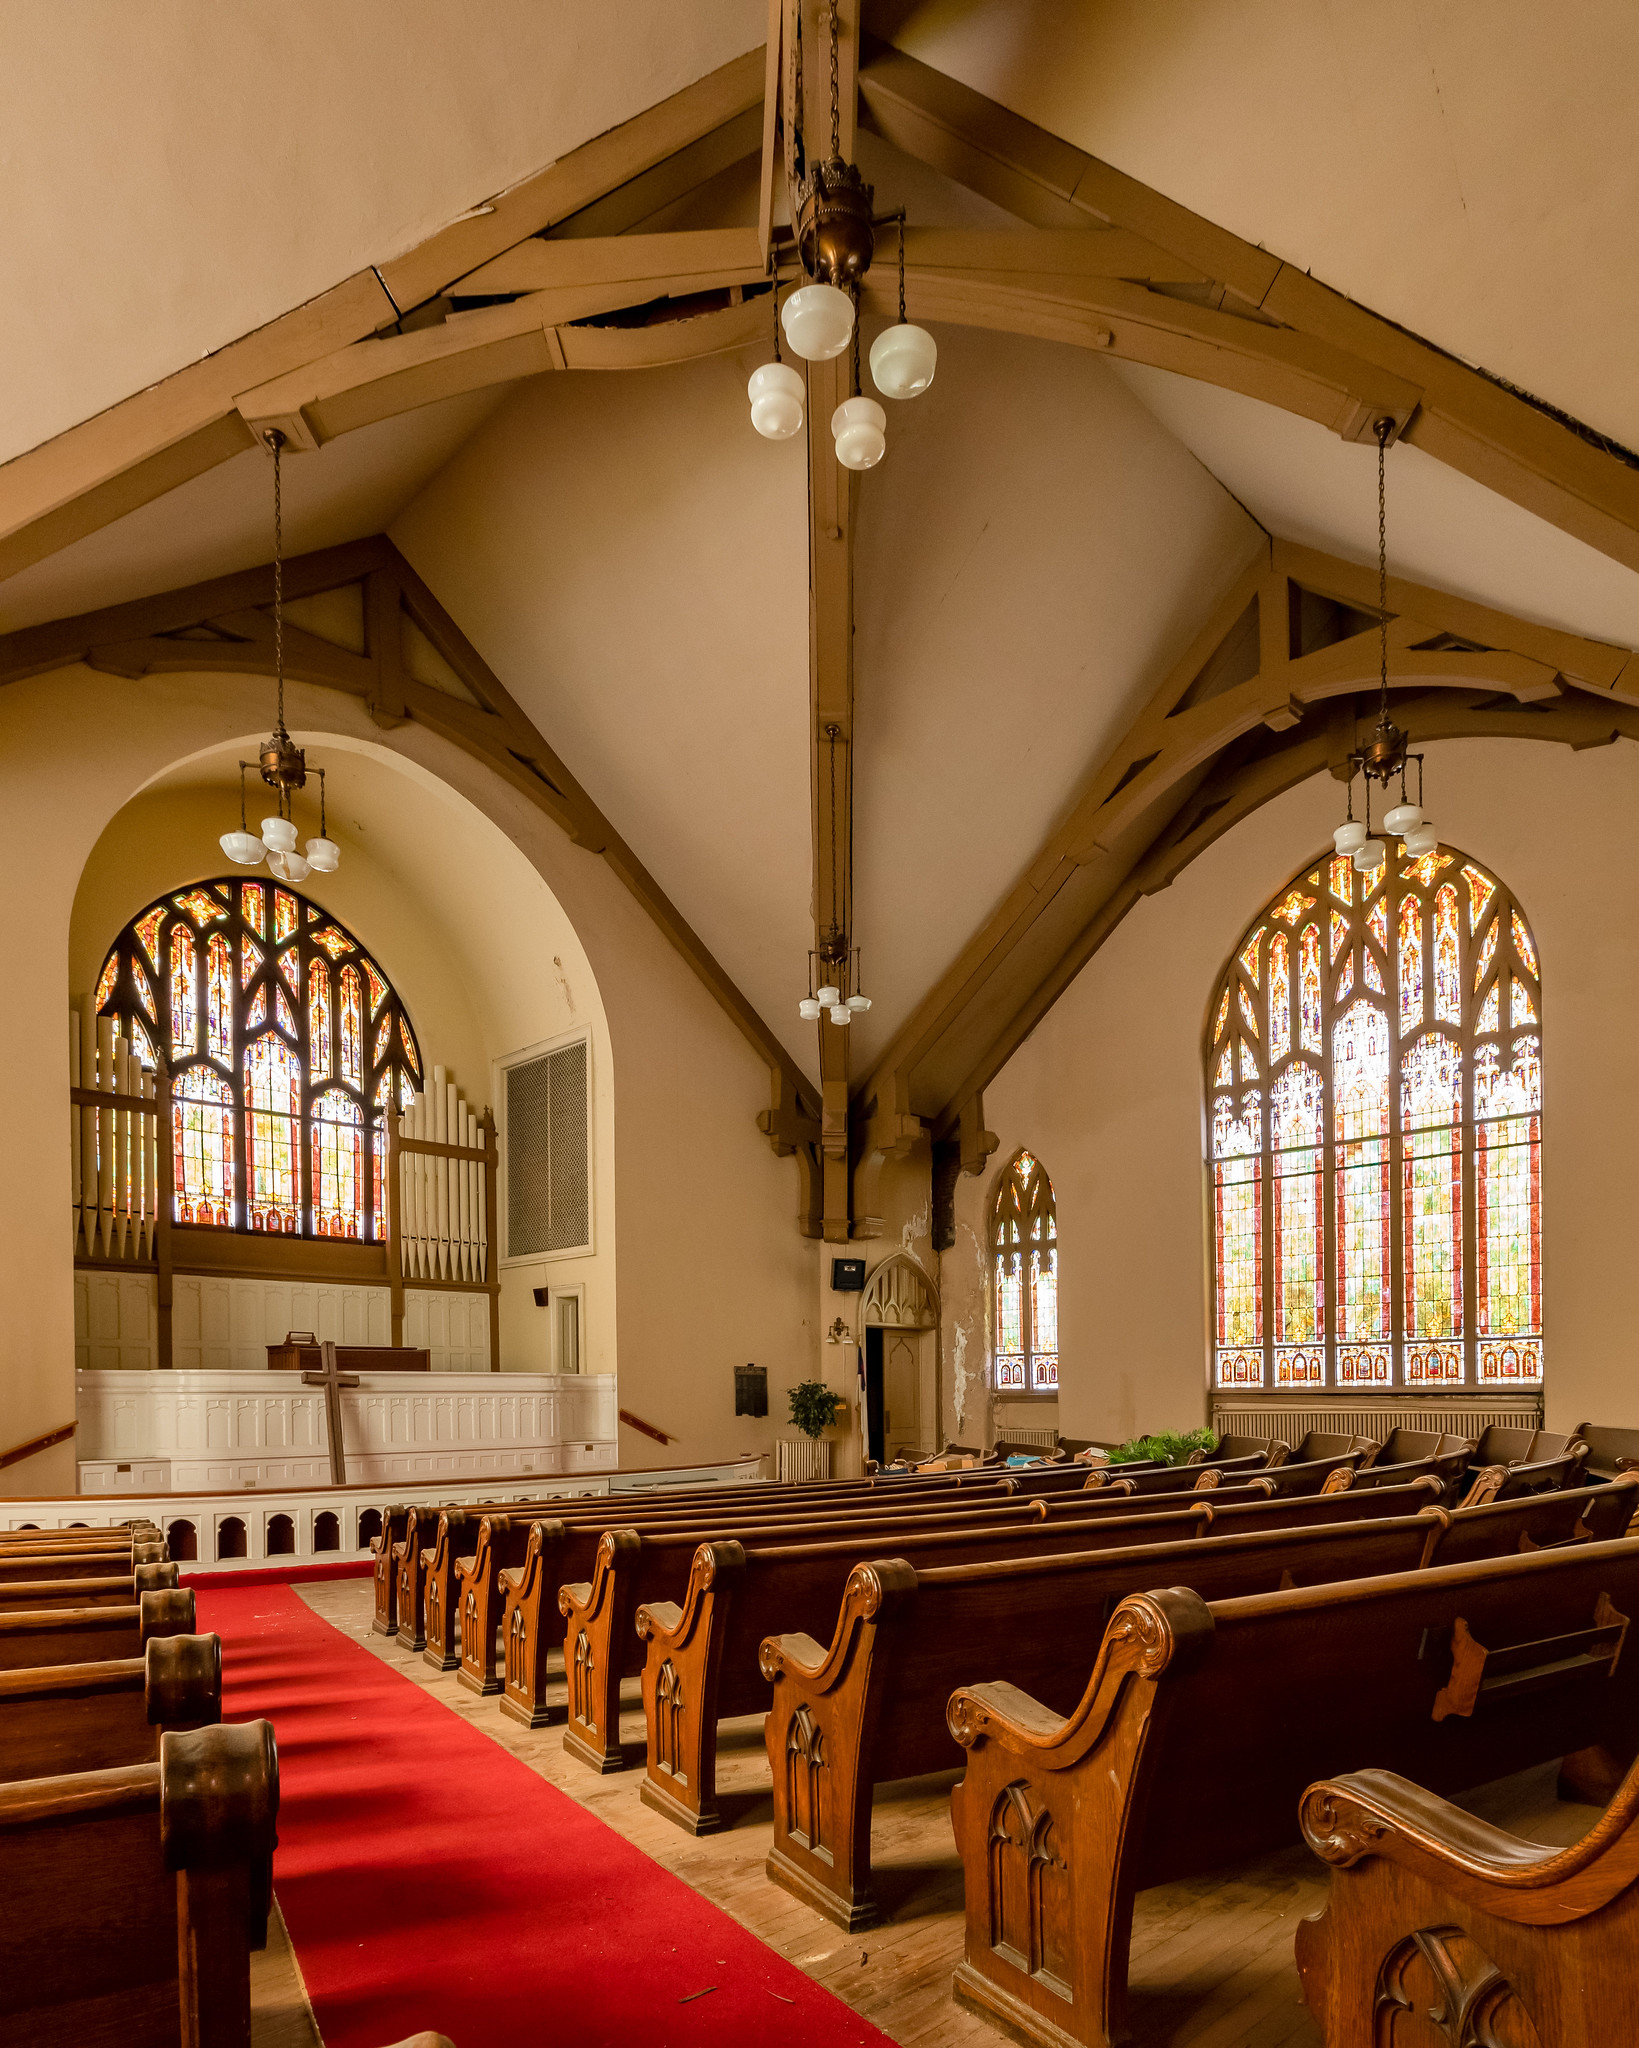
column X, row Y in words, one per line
column 1172, row 1445
column 813, row 1409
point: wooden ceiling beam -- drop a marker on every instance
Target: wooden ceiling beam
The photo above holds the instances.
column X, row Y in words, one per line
column 134, row 452
column 225, row 627
column 1471, row 422
column 1244, row 681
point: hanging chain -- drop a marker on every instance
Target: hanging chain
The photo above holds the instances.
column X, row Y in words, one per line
column 835, row 931
column 775, row 295
column 902, row 266
column 1385, row 427
column 836, row 96
column 277, row 440
column 853, row 293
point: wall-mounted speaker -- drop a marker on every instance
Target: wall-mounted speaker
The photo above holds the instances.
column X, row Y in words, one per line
column 847, row 1276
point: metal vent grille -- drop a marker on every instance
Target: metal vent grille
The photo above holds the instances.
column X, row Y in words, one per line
column 547, row 1193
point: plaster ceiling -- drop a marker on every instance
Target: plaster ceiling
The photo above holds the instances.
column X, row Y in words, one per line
column 1464, row 167
column 223, row 520
column 1307, row 485
column 1048, row 530
column 172, row 177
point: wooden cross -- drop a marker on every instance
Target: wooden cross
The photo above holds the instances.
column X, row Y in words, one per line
column 333, row 1379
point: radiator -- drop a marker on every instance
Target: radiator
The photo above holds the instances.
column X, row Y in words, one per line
column 1376, row 1419
column 1047, row 1438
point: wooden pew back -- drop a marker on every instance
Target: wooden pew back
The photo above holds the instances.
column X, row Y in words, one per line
column 115, row 1589
column 79, row 1635
column 156, row 1950
column 56, row 1718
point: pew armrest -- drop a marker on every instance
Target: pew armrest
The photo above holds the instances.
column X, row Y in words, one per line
column 1377, row 1814
column 511, row 1577
column 797, row 1653
column 1011, row 1712
column 662, row 1615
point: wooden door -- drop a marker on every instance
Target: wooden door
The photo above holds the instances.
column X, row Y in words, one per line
column 901, row 1391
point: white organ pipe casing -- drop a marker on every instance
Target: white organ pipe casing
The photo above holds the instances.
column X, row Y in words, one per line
column 105, row 1138
column 443, row 1231
column 451, row 1178
column 122, row 1152
column 441, row 1174
column 88, row 1130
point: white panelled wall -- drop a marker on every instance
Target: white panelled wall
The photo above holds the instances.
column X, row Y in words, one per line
column 184, row 1431
column 226, row 1325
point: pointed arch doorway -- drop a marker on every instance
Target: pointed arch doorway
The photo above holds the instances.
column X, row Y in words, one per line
column 901, row 1324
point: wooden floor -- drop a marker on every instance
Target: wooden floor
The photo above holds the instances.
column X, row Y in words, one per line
column 1211, row 1958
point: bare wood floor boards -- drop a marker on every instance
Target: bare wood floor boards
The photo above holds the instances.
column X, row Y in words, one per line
column 1211, row 1958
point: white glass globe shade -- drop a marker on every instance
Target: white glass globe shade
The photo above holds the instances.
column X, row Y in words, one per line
column 323, row 854
column 841, row 1014
column 1369, row 856
column 1349, row 837
column 859, row 1002
column 1402, row 819
column 903, row 359
column 859, row 424
column 818, row 321
column 1421, row 839
column 828, row 995
column 244, row 847
column 278, row 835
column 808, row 1010
column 289, row 867
column 776, row 393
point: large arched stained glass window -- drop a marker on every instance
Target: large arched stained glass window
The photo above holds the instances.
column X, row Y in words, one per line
column 286, row 1047
column 1374, row 1080
column 1024, row 1250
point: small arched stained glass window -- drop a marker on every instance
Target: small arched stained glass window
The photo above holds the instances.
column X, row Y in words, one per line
column 1024, row 1253
column 1377, row 1187
column 284, row 1064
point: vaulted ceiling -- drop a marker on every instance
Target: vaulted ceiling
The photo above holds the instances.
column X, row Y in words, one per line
column 1071, row 535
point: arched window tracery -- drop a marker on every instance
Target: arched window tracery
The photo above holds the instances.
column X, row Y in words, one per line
column 1024, row 1259
column 286, row 1046
column 1374, row 1135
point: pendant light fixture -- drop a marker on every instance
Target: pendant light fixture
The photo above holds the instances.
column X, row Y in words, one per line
column 859, row 426
column 1384, row 756
column 776, row 391
column 838, row 996
column 835, row 240
column 903, row 357
column 282, row 763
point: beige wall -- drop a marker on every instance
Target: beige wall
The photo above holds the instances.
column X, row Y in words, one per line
column 710, row 1272
column 1109, row 1091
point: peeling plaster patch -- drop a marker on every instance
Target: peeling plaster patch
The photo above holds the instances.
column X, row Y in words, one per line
column 920, row 1225
column 563, row 983
column 965, row 1327
column 958, row 1380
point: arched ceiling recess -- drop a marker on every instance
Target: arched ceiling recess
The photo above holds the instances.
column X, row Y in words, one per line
column 653, row 244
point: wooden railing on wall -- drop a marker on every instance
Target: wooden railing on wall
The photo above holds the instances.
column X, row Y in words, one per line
column 35, row 1444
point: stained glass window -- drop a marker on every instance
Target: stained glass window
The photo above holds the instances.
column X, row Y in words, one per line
column 269, row 1132
column 1375, row 1140
column 1024, row 1248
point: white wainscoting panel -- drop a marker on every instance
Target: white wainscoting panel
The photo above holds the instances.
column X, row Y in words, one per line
column 116, row 1321
column 203, row 1430
column 226, row 1325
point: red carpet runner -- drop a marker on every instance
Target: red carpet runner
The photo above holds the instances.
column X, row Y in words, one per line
column 429, row 1879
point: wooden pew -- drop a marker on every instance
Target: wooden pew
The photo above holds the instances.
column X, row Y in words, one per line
column 547, row 1604
column 1610, row 1450
column 104, row 1539
column 868, row 1704
column 81, row 1635
column 398, row 1571
column 1449, row 1467
column 1431, row 1908
column 589, row 1582
column 461, row 1594
column 1546, row 1475
column 56, row 1718
column 134, row 1895
column 701, row 1660
column 74, row 1562
column 117, row 1589
column 1308, row 1477
column 1060, row 1819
